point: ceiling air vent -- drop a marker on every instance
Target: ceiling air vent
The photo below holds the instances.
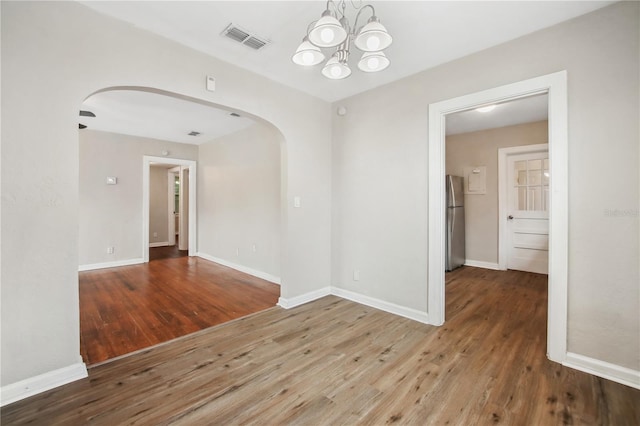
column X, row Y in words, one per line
column 194, row 133
column 245, row 37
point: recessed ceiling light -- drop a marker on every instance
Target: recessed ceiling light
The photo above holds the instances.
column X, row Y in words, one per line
column 194, row 133
column 487, row 108
column 234, row 114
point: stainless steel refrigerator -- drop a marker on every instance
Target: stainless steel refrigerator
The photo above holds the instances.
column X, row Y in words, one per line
column 455, row 253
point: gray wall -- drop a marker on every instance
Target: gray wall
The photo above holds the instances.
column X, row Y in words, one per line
column 381, row 181
column 481, row 210
column 239, row 198
column 82, row 52
column 111, row 215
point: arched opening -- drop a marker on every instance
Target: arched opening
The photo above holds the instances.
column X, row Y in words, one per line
column 233, row 189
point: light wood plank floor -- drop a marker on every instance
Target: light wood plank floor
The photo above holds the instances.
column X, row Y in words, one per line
column 134, row 307
column 333, row 362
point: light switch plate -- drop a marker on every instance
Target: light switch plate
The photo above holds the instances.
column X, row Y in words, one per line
column 111, row 180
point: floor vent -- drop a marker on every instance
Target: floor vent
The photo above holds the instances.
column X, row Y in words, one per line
column 245, row 37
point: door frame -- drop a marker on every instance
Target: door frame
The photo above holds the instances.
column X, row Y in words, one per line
column 146, row 164
column 171, row 178
column 503, row 233
column 555, row 85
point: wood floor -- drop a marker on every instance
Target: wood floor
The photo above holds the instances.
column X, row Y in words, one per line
column 335, row 362
column 167, row 252
column 133, row 307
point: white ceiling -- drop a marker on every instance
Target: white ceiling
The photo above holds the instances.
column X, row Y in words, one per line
column 157, row 116
column 524, row 110
column 425, row 34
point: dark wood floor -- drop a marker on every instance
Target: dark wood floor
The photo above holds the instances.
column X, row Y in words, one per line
column 133, row 307
column 335, row 362
column 167, row 252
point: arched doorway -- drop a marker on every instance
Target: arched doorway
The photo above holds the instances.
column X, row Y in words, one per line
column 112, row 214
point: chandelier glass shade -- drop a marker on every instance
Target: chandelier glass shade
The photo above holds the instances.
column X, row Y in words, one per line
column 373, row 37
column 336, row 69
column 327, row 32
column 308, row 54
column 330, row 32
column 373, row 62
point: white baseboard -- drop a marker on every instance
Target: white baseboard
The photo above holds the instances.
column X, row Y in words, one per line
column 355, row 297
column 603, row 369
column 382, row 305
column 160, row 244
column 303, row 298
column 38, row 384
column 114, row 264
column 480, row 264
column 241, row 268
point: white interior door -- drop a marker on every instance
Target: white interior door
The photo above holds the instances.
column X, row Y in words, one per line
column 528, row 212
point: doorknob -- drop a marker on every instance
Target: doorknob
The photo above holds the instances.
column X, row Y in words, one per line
column 510, row 217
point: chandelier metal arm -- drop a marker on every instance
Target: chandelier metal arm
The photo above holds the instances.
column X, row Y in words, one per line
column 355, row 24
column 335, row 7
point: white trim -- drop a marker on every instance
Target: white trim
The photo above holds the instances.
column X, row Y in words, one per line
column 481, row 264
column 392, row 308
column 171, row 198
column 160, row 244
column 503, row 154
column 114, row 264
column 603, row 369
column 303, row 298
column 556, row 86
column 41, row 383
column 146, row 163
column 241, row 268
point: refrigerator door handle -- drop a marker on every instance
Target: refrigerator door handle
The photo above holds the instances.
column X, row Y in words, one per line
column 453, row 221
column 452, row 194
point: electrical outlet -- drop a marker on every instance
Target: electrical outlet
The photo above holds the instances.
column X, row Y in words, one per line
column 155, row 235
column 254, row 248
column 356, row 274
column 237, row 252
column 110, row 250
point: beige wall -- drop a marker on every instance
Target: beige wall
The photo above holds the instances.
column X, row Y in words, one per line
column 364, row 195
column 158, row 205
column 481, row 210
column 380, row 176
column 111, row 215
column 81, row 52
column 239, row 198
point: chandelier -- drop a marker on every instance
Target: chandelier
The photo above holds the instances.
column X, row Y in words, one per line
column 329, row 32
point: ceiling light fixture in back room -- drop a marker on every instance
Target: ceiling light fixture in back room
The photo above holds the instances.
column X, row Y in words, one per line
column 329, row 32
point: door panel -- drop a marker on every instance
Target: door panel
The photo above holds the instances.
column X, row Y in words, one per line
column 528, row 212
